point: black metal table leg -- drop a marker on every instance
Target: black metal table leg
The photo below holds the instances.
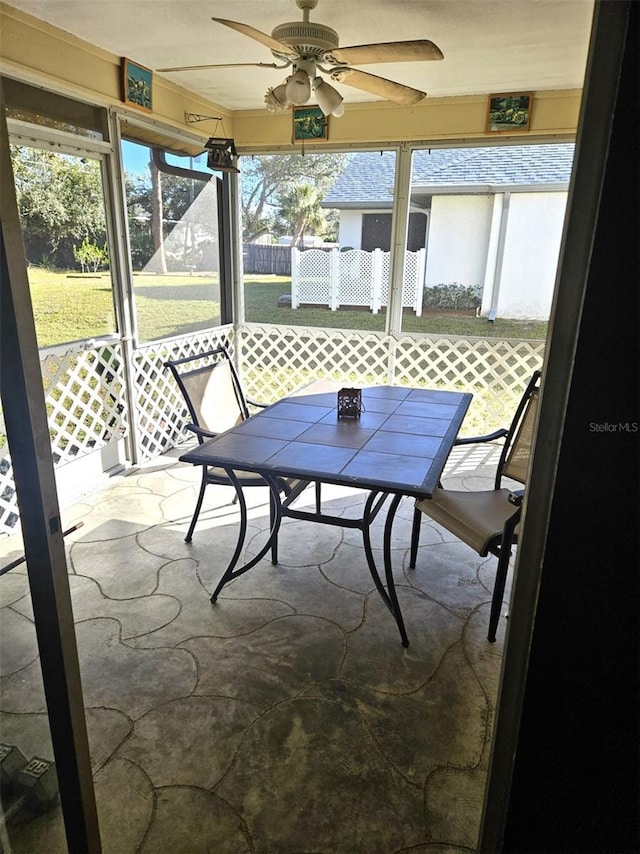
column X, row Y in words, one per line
column 388, row 568
column 365, row 526
column 388, row 594
column 231, row 572
column 373, row 505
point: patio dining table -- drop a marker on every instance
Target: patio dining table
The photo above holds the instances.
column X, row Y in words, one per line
column 396, row 447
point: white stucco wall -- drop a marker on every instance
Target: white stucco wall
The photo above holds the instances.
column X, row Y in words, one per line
column 532, row 245
column 463, row 243
column 458, row 238
column 350, row 231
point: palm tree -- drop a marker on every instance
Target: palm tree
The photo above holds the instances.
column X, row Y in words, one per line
column 300, row 212
column 267, row 177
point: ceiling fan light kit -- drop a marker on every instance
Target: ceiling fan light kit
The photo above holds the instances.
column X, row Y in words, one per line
column 329, row 99
column 306, row 46
column 276, row 98
column 298, row 88
column 296, row 91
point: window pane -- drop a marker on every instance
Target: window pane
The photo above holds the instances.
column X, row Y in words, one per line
column 487, row 260
column 309, row 258
column 62, row 213
column 39, row 107
column 173, row 234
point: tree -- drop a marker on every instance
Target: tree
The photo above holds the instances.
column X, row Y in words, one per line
column 90, row 257
column 265, row 178
column 172, row 198
column 300, row 211
column 60, row 201
column 159, row 257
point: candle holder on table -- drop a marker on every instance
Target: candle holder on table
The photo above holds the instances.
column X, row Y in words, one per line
column 350, row 403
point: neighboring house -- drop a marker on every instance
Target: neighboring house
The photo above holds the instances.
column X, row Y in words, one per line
column 489, row 217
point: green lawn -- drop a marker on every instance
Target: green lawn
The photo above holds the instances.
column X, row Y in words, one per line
column 69, row 307
column 261, row 298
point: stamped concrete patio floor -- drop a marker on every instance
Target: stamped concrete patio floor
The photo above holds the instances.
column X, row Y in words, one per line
column 285, row 719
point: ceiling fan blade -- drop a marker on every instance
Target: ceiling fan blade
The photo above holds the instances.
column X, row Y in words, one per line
column 263, row 38
column 388, row 89
column 222, row 65
column 407, row 51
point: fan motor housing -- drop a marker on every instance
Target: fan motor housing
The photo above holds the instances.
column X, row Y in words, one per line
column 306, row 38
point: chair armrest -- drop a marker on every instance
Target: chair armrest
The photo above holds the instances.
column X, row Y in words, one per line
column 489, row 437
column 200, row 431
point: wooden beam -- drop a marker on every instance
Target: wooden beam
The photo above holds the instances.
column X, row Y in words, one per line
column 28, row 436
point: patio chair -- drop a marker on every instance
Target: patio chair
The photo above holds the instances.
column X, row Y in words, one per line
column 213, row 393
column 487, row 520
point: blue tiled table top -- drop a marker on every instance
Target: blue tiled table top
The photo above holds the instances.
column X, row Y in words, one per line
column 399, row 444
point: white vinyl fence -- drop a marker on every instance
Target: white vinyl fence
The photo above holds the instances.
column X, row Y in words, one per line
column 353, row 278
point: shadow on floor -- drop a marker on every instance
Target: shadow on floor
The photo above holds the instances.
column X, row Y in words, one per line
column 287, row 718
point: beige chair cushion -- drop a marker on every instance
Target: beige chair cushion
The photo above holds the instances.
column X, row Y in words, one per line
column 247, row 477
column 476, row 518
column 516, row 466
column 217, row 472
column 213, row 396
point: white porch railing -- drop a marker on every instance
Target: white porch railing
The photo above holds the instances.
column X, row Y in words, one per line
column 86, row 398
column 353, row 278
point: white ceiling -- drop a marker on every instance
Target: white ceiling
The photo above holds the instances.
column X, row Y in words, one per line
column 489, row 45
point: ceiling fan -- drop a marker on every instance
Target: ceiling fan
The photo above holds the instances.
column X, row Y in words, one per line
column 307, row 47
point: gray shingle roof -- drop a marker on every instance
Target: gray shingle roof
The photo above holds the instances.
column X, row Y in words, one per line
column 369, row 176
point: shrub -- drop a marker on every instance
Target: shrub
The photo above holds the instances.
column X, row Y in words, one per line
column 90, row 256
column 452, row 296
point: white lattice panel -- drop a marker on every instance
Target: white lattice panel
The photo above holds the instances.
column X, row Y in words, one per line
column 384, row 278
column 86, row 405
column 8, row 500
column 276, row 360
column 495, row 371
column 86, row 390
column 356, row 278
column 412, row 283
column 160, row 412
column 85, row 400
column 86, row 410
column 314, row 283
